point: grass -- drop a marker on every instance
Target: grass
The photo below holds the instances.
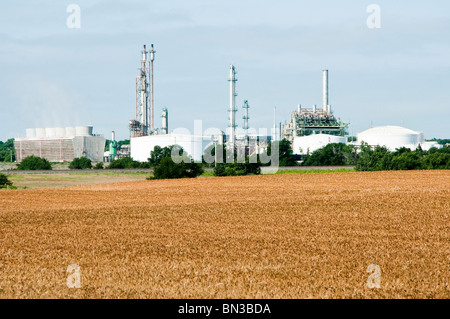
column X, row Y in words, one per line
column 295, row 171
column 59, row 180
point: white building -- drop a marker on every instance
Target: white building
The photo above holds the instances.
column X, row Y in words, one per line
column 60, row 144
column 307, row 144
column 141, row 147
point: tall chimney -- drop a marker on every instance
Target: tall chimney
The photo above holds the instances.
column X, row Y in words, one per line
column 325, row 91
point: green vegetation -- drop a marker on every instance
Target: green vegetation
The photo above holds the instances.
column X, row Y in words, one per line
column 332, row 154
column 168, row 169
column 6, row 150
column 441, row 141
column 297, row 171
column 34, row 163
column 286, row 156
column 81, row 163
column 159, row 153
column 237, row 169
column 4, row 181
column 381, row 158
column 127, row 162
column 99, row 165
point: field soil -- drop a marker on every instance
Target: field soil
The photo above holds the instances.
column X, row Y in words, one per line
column 271, row 236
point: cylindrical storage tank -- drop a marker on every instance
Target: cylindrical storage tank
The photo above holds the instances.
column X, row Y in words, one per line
column 70, row 131
column 83, row 130
column 40, row 132
column 60, row 132
column 31, row 132
column 50, row 132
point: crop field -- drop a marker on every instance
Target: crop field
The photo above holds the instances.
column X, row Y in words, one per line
column 270, row 236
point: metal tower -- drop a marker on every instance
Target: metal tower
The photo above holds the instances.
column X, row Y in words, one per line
column 143, row 124
column 232, row 79
column 246, row 117
column 152, row 105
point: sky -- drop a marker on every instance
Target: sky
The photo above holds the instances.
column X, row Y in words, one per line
column 52, row 75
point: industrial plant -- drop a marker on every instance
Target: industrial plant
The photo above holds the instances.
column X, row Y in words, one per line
column 308, row 129
column 60, row 144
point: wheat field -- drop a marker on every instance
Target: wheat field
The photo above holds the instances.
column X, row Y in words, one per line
column 271, row 236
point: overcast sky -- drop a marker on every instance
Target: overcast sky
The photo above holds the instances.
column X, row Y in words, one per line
column 52, row 75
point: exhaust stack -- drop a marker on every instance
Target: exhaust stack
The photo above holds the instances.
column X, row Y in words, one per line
column 325, row 105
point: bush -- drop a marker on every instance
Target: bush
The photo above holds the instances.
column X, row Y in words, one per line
column 125, row 162
column 4, row 181
column 237, row 169
column 286, row 156
column 159, row 153
column 437, row 160
column 34, row 163
column 99, row 166
column 168, row 169
column 332, row 154
column 81, row 163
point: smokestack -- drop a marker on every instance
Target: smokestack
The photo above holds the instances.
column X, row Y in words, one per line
column 325, row 91
column 232, row 79
column 113, row 136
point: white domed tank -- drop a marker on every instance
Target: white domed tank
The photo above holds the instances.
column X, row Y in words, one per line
column 31, row 132
column 40, row 132
column 83, row 130
column 60, row 132
column 311, row 143
column 70, row 131
column 50, row 132
column 392, row 137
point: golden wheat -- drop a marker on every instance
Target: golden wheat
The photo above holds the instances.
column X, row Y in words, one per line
column 278, row 236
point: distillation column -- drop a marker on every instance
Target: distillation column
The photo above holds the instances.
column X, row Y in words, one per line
column 232, row 79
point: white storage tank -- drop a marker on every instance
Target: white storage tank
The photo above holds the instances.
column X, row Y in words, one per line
column 60, row 132
column 392, row 137
column 307, row 144
column 40, row 132
column 70, row 131
column 50, row 132
column 31, row 132
column 83, row 130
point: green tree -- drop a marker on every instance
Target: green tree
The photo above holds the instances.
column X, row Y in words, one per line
column 4, row 181
column 286, row 156
column 332, row 154
column 124, row 162
column 6, row 150
column 168, row 169
column 81, row 163
column 159, row 153
column 237, row 169
column 99, row 165
column 34, row 163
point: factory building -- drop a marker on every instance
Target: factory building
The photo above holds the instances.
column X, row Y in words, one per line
column 141, row 147
column 312, row 128
column 60, row 144
column 394, row 137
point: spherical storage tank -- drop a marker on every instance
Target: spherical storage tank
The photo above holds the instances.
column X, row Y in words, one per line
column 392, row 137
